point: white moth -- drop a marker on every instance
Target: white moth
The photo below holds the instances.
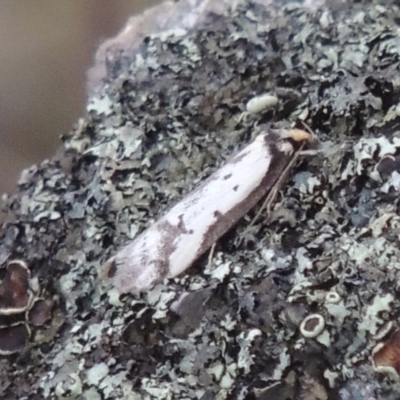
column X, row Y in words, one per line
column 193, row 225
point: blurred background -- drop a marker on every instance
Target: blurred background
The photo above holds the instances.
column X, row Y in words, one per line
column 46, row 47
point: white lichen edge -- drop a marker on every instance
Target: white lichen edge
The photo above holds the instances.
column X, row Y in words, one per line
column 317, row 328
column 174, row 242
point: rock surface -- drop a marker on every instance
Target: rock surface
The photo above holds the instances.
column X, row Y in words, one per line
column 164, row 113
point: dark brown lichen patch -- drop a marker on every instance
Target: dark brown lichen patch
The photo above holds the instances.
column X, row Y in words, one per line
column 386, row 356
column 14, row 294
column 13, row 339
column 40, row 313
column 20, row 307
column 11, row 319
column 312, row 325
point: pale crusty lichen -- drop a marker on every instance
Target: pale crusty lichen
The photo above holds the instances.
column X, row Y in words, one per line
column 166, row 116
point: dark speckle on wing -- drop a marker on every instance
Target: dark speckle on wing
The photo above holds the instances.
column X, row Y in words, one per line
column 217, row 214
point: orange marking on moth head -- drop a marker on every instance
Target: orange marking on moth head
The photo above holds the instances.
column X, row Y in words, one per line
column 298, row 135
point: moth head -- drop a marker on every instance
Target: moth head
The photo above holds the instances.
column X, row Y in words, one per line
column 298, row 135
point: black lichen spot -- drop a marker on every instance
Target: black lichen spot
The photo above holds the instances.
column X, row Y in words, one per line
column 387, row 165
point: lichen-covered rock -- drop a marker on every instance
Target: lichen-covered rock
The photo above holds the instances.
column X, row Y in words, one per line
column 166, row 113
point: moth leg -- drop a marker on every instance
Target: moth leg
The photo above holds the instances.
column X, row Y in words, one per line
column 211, row 255
column 243, row 116
column 274, row 190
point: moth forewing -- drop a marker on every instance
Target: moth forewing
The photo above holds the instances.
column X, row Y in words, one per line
column 187, row 230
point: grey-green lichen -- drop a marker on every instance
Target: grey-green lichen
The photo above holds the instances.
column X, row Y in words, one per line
column 166, row 116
